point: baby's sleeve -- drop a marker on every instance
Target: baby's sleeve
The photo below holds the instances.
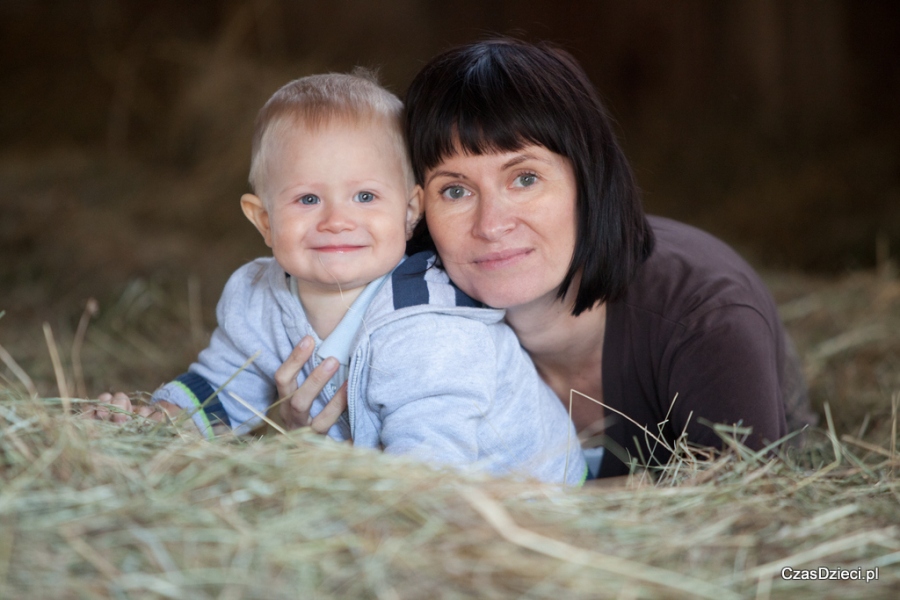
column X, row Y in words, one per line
column 224, row 371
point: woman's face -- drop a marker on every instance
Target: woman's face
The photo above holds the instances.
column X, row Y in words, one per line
column 504, row 224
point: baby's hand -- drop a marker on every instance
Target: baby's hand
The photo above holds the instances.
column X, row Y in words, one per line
column 294, row 409
column 156, row 411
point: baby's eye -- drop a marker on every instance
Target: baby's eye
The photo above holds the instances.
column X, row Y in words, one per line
column 365, row 197
column 309, row 199
column 454, row 192
column 525, row 180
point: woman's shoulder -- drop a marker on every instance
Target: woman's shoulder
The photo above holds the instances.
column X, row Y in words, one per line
column 691, row 272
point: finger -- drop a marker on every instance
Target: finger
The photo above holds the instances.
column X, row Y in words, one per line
column 167, row 407
column 286, row 374
column 122, row 402
column 332, row 411
column 286, row 411
column 151, row 412
column 98, row 411
column 154, row 412
column 312, row 387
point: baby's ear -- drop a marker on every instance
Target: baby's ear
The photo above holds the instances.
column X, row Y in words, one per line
column 255, row 211
column 414, row 210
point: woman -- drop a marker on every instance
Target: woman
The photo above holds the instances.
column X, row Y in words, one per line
column 660, row 329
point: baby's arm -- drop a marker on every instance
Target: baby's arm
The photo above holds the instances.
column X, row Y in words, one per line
column 432, row 380
column 245, row 357
column 294, row 410
column 208, row 392
column 232, row 380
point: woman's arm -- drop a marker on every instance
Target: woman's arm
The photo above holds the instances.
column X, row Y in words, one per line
column 725, row 370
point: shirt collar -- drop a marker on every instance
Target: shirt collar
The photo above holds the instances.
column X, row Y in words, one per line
column 340, row 343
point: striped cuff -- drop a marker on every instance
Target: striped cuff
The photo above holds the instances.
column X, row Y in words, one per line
column 208, row 408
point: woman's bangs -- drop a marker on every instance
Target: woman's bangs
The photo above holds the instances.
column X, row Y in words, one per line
column 486, row 120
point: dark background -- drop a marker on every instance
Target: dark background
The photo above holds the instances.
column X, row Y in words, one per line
column 124, row 126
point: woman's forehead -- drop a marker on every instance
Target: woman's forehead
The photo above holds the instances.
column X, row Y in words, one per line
column 493, row 154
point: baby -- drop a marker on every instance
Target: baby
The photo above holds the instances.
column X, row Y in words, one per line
column 430, row 372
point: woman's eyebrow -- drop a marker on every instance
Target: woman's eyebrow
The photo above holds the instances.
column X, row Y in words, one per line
column 520, row 159
column 450, row 174
column 507, row 165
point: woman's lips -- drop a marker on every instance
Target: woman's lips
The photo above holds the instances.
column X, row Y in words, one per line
column 502, row 258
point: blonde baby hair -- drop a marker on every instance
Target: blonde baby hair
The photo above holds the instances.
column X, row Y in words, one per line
column 319, row 100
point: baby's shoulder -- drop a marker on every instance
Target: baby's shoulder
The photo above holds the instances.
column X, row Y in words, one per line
column 420, row 291
column 420, row 281
column 254, row 285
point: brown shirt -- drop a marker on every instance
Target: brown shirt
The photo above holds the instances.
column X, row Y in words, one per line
column 699, row 324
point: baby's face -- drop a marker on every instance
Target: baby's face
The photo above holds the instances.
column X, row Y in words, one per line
column 338, row 206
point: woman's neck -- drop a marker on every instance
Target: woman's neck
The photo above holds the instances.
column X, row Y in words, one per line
column 568, row 353
column 559, row 343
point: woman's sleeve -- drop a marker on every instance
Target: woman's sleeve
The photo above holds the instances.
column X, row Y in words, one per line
column 724, row 370
column 431, row 381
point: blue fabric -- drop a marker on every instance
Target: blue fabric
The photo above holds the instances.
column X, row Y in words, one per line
column 411, row 286
column 408, row 281
column 205, row 394
column 462, row 299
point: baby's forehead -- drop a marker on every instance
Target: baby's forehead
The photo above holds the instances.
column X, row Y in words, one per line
column 294, row 125
column 290, row 133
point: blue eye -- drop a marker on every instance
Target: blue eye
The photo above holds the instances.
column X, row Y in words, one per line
column 454, row 192
column 525, row 180
column 365, row 197
column 309, row 199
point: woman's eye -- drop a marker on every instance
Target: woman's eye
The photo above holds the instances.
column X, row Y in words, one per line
column 454, row 192
column 525, row 180
column 309, row 199
column 365, row 197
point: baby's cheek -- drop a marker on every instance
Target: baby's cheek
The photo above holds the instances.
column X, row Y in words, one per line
column 393, row 247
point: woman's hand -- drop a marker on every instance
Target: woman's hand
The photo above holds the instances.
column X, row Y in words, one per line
column 295, row 410
column 156, row 411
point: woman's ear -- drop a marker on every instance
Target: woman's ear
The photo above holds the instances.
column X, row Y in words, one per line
column 414, row 210
column 255, row 211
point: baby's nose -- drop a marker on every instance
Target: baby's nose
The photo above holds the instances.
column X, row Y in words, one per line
column 336, row 217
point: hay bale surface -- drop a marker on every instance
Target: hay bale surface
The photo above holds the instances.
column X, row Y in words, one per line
column 93, row 510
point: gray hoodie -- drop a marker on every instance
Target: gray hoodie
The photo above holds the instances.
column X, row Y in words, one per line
column 431, row 374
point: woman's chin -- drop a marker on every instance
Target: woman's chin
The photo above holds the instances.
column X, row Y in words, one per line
column 507, row 297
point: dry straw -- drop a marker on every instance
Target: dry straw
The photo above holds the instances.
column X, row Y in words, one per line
column 146, row 510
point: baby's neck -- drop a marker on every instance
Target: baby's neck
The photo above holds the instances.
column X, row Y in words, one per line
column 325, row 309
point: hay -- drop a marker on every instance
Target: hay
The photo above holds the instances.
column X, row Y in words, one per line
column 93, row 510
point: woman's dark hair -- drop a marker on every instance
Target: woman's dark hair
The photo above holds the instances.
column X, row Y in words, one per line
column 501, row 95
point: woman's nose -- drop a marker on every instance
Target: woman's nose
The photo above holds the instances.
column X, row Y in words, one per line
column 493, row 218
column 336, row 217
